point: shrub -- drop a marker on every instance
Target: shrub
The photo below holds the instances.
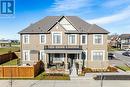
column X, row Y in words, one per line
column 111, row 69
column 86, row 70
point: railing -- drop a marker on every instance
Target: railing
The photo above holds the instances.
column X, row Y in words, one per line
column 63, row 47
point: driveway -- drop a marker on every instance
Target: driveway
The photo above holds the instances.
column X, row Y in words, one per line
column 71, row 83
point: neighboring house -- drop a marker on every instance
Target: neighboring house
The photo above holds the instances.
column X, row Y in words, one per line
column 114, row 42
column 63, row 40
column 125, row 41
column 5, row 43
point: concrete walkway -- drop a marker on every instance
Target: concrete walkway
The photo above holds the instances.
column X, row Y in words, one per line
column 71, row 83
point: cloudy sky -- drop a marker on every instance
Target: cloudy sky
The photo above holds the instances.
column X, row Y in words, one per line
column 112, row 15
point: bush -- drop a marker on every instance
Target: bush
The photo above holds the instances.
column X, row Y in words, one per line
column 89, row 70
column 86, row 70
column 112, row 69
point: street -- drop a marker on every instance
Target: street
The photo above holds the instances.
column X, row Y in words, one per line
column 120, row 59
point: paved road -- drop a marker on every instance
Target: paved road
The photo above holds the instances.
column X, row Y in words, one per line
column 71, row 83
column 124, row 59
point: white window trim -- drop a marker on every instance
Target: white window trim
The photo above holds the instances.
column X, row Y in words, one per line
column 42, row 51
column 81, row 39
column 75, row 39
column 103, row 51
column 40, row 38
column 61, row 38
column 94, row 39
column 28, row 55
column 24, row 38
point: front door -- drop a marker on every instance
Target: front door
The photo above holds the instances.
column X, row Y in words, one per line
column 72, row 58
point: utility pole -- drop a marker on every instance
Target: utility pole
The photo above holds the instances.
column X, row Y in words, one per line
column 101, row 74
column 10, row 56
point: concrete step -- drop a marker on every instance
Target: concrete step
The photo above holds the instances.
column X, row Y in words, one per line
column 79, row 78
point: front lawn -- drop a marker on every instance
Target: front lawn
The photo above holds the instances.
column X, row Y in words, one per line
column 12, row 62
column 44, row 76
column 53, row 76
column 124, row 68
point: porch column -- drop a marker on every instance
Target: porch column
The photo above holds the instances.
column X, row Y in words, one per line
column 45, row 60
column 66, row 63
column 80, row 64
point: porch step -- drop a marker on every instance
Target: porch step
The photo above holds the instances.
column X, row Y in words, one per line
column 79, row 78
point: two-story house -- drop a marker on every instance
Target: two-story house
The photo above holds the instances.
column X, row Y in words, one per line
column 125, row 41
column 60, row 41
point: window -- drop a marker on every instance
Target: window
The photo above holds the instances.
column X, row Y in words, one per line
column 25, row 39
column 26, row 55
column 58, row 57
column 98, row 39
column 97, row 55
column 42, row 54
column 83, row 39
column 57, row 38
column 42, row 39
column 72, row 39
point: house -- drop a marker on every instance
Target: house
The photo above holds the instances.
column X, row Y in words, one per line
column 114, row 41
column 5, row 43
column 125, row 41
column 63, row 41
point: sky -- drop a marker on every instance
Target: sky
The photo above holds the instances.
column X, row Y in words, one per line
column 112, row 15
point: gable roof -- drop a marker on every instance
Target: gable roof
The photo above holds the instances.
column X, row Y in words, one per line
column 44, row 25
column 125, row 36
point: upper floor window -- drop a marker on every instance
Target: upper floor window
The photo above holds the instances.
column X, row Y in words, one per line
column 83, row 39
column 25, row 39
column 57, row 37
column 98, row 39
column 42, row 39
column 72, row 39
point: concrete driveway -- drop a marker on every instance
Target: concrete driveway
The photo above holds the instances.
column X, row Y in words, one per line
column 71, row 83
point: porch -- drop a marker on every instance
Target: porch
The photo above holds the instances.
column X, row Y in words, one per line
column 62, row 62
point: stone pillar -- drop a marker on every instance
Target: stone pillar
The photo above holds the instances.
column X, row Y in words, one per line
column 66, row 63
column 80, row 63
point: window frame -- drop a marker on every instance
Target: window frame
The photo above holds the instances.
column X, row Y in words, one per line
column 42, row 51
column 28, row 59
column 75, row 39
column 41, row 38
column 95, row 38
column 60, row 39
column 23, row 37
column 92, row 52
column 81, row 37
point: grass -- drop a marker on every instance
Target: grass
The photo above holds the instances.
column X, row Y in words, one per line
column 12, row 62
column 43, row 76
column 124, row 68
column 6, row 50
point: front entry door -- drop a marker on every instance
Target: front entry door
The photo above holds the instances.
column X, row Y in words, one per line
column 72, row 58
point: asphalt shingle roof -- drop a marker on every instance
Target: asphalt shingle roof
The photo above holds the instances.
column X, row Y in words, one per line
column 44, row 25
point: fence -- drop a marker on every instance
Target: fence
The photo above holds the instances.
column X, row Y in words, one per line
column 7, row 57
column 21, row 71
